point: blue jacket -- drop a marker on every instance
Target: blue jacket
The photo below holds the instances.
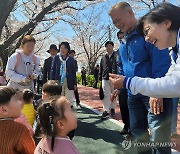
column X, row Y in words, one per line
column 70, row 71
column 140, row 58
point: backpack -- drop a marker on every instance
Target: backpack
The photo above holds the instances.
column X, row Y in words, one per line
column 18, row 57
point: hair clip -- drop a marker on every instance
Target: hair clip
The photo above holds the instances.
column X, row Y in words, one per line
column 49, row 109
column 50, row 119
column 46, row 105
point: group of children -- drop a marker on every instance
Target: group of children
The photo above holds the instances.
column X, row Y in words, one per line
column 51, row 123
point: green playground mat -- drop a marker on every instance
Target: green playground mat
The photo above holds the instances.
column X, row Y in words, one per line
column 96, row 136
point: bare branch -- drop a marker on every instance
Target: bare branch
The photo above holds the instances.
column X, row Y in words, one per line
column 149, row 5
column 5, row 10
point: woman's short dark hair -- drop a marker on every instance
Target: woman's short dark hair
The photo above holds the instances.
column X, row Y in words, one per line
column 66, row 44
column 27, row 95
column 6, row 93
column 52, row 87
column 162, row 12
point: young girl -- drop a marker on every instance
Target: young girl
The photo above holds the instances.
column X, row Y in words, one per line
column 14, row 137
column 22, row 119
column 28, row 108
column 57, row 120
column 23, row 66
column 49, row 89
column 64, row 70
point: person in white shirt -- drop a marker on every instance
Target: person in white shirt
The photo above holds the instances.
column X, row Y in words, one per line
column 23, row 66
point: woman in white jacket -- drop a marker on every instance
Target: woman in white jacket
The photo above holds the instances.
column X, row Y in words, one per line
column 161, row 27
column 23, row 66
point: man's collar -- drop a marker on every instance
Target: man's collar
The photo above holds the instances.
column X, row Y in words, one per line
column 109, row 55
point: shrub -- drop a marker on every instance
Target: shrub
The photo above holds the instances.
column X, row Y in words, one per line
column 79, row 80
column 90, row 80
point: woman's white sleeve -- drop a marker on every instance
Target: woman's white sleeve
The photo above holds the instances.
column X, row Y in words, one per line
column 166, row 87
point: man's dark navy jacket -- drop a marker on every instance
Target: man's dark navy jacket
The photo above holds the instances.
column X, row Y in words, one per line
column 70, row 71
column 47, row 69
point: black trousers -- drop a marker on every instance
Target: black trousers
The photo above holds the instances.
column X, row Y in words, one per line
column 83, row 80
column 95, row 83
column 124, row 108
column 39, row 86
column 76, row 93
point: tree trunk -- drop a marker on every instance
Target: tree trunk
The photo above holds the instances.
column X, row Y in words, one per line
column 92, row 66
column 5, row 9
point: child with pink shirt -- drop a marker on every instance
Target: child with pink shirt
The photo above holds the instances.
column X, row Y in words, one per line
column 57, row 120
column 22, row 119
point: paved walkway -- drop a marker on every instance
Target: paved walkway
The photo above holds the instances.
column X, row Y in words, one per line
column 96, row 136
column 90, row 97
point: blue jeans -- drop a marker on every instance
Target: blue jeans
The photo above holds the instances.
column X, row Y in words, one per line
column 141, row 119
column 174, row 116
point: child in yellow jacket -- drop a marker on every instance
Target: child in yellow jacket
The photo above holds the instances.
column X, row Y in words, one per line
column 28, row 108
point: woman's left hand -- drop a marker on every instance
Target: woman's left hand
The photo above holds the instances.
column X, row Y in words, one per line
column 116, row 80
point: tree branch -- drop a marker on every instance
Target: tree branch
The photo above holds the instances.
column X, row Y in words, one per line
column 5, row 10
column 32, row 23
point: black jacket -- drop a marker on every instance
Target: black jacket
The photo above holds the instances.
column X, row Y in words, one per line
column 47, row 69
column 96, row 73
column 108, row 65
column 76, row 64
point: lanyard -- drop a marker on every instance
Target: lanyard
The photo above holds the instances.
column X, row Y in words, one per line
column 63, row 69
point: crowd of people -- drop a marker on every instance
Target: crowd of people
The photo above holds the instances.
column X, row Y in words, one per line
column 140, row 73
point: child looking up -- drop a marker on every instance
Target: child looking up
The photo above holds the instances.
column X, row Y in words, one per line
column 57, row 120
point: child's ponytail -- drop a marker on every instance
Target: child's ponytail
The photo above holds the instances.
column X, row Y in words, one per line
column 49, row 113
column 27, row 95
column 49, row 110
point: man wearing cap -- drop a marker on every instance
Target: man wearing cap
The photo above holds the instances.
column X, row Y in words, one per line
column 47, row 64
column 108, row 64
